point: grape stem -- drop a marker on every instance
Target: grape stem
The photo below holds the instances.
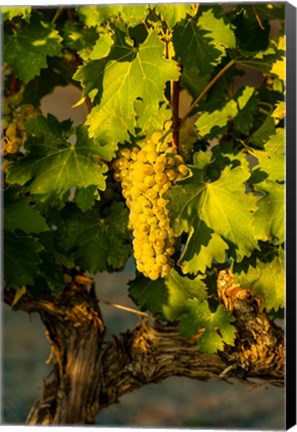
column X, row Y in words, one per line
column 206, row 89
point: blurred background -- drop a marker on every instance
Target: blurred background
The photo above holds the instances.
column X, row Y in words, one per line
column 176, row 402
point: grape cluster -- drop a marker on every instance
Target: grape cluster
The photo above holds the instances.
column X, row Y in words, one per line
column 145, row 175
column 13, row 125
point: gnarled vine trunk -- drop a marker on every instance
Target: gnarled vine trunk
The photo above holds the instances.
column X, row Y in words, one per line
column 90, row 374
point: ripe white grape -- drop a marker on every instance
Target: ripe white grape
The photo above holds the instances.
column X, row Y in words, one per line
column 13, row 124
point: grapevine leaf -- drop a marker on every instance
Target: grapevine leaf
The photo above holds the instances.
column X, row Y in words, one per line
column 133, row 14
column 199, row 316
column 47, row 239
column 274, row 164
column 261, row 135
column 97, row 243
column 258, row 38
column 53, row 164
column 279, row 112
column 119, row 248
column 26, row 51
column 155, row 122
column 279, row 66
column 179, row 290
column 86, row 198
column 124, row 83
column 147, row 294
column 269, row 218
column 10, row 12
column 267, row 281
column 223, row 205
column 271, row 160
column 193, row 47
column 51, row 275
column 20, row 214
column 166, row 297
column 21, row 259
column 216, row 119
column 79, row 38
column 202, row 247
column 172, row 14
column 91, row 74
column 102, row 46
column 97, row 15
column 266, row 11
column 269, row 61
column 58, row 73
column 201, row 159
column 247, row 110
column 91, row 77
column 222, row 34
column 193, row 82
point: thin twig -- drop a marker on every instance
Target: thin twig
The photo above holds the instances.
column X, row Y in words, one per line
column 125, row 308
column 57, row 14
column 206, row 89
column 258, row 18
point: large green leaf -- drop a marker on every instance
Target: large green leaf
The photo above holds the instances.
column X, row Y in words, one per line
column 79, row 38
column 10, row 12
column 267, row 280
column 272, row 159
column 193, row 47
column 58, row 73
column 247, row 110
column 21, row 259
column 85, row 198
column 96, row 243
column 95, row 16
column 221, row 33
column 210, row 123
column 216, row 119
column 119, row 47
column 53, row 164
column 126, row 82
column 269, row 60
column 198, row 316
column 102, row 46
column 20, row 214
column 203, row 246
column 173, row 13
column 263, row 133
column 258, row 38
column 27, row 49
column 223, row 205
column 179, row 290
column 166, row 297
column 148, row 295
column 269, row 219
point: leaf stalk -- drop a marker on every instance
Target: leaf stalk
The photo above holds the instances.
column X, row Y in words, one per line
column 206, row 89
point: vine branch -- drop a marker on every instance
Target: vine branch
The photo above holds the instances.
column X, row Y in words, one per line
column 90, row 374
column 206, row 89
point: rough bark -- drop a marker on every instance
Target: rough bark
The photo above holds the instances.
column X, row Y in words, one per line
column 90, row 374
